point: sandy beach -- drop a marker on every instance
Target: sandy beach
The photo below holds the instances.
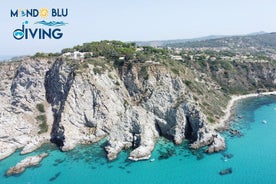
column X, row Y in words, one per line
column 223, row 122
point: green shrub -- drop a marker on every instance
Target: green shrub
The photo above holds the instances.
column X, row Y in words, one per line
column 195, row 98
column 125, row 103
column 43, row 125
column 226, row 65
column 85, row 65
column 41, row 118
column 98, row 70
column 211, row 120
column 40, row 107
column 143, row 73
column 43, row 128
column 188, row 83
column 118, row 63
column 175, row 71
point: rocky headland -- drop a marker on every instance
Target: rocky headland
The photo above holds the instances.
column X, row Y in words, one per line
column 70, row 102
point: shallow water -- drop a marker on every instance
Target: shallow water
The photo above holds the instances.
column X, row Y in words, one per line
column 253, row 158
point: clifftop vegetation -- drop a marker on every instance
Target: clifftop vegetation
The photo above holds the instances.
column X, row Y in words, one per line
column 117, row 50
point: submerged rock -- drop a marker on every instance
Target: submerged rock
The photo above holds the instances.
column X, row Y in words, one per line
column 55, row 176
column 166, row 152
column 226, row 171
column 199, row 156
column 234, row 132
column 227, row 155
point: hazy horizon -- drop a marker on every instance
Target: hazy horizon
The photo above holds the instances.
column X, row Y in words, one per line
column 138, row 21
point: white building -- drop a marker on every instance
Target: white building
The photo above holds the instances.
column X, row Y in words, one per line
column 179, row 58
column 76, row 54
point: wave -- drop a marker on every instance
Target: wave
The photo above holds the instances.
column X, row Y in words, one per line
column 52, row 23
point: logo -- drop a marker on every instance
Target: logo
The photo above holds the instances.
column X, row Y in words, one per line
column 39, row 29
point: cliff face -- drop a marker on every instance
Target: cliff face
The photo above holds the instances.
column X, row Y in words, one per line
column 132, row 106
column 21, row 89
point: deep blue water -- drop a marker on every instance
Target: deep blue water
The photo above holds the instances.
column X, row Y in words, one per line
column 253, row 161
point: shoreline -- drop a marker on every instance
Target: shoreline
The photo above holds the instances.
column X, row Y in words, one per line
column 223, row 124
column 225, row 120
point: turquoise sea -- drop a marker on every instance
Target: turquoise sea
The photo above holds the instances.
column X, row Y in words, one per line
column 252, row 158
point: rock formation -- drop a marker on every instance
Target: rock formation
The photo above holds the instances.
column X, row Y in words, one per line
column 27, row 162
column 132, row 109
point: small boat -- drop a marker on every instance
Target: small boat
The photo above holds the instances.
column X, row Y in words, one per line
column 152, row 160
column 264, row 121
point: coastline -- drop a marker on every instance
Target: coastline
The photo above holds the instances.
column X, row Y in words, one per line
column 224, row 121
column 223, row 124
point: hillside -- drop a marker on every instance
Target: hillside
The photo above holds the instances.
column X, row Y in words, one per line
column 163, row 43
column 259, row 41
column 127, row 94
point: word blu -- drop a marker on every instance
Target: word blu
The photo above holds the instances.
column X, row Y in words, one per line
column 59, row 12
column 39, row 33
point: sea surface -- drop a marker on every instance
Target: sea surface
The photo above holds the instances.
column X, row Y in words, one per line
column 252, row 158
column 5, row 58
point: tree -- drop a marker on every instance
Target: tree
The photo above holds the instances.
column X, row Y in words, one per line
column 67, row 50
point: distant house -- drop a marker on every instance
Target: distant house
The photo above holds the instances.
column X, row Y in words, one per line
column 178, row 50
column 122, row 58
column 139, row 49
column 225, row 57
column 152, row 62
column 67, row 54
column 76, row 54
column 212, row 58
column 179, row 58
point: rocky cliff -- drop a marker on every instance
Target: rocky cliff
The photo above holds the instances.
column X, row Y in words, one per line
column 69, row 103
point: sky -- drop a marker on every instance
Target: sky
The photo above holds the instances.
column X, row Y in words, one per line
column 134, row 20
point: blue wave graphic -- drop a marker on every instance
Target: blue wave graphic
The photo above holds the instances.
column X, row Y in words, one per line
column 52, row 23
